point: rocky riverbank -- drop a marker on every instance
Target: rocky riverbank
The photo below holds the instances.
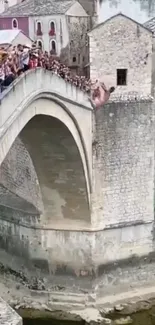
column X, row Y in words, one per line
column 85, row 306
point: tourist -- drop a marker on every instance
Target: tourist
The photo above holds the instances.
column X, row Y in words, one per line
column 2, row 76
column 20, row 58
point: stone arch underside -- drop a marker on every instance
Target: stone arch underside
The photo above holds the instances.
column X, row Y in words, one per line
column 60, row 187
column 59, row 169
column 19, row 182
column 28, row 239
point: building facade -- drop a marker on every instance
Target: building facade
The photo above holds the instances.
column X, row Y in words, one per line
column 5, row 4
column 150, row 24
column 58, row 26
column 121, row 55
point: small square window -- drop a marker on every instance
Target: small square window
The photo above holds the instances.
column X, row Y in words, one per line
column 121, row 77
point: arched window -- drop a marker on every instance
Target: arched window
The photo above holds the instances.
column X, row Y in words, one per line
column 14, row 23
column 53, row 47
column 40, row 44
column 52, row 29
column 39, row 28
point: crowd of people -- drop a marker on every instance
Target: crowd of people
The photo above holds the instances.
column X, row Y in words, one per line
column 21, row 58
column 17, row 59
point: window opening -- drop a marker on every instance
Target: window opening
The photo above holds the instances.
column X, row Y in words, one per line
column 53, row 47
column 121, row 77
column 14, row 23
column 39, row 31
column 52, row 29
column 40, row 44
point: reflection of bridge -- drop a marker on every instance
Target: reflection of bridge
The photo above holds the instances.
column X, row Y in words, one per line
column 69, row 201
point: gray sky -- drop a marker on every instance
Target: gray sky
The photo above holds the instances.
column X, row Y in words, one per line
column 140, row 10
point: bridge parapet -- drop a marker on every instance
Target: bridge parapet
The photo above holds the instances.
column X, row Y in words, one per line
column 8, row 316
column 39, row 80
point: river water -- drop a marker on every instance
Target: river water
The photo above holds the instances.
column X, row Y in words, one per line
column 141, row 11
column 142, row 318
column 49, row 322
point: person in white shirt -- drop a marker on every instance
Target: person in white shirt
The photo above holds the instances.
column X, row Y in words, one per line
column 2, row 76
column 26, row 58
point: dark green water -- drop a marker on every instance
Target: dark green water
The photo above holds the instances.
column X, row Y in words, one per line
column 49, row 322
column 145, row 317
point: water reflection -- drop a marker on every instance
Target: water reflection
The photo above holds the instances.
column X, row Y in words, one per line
column 146, row 317
column 140, row 10
column 50, row 322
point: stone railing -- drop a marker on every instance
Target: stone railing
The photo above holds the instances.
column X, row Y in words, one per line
column 8, row 316
column 34, row 82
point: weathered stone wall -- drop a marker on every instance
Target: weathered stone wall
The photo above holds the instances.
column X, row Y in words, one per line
column 78, row 41
column 43, row 174
column 89, row 6
column 120, row 43
column 153, row 68
column 122, row 192
column 40, row 92
column 59, row 168
column 44, row 252
column 123, row 164
column 7, row 315
column 67, row 245
column 17, row 175
column 55, row 184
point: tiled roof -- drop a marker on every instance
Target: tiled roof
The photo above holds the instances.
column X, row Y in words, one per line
column 113, row 17
column 151, row 25
column 38, row 8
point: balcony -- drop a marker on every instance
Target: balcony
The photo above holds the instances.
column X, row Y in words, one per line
column 52, row 32
column 39, row 33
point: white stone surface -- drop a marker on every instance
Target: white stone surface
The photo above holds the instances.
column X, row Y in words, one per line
column 121, row 43
column 8, row 316
column 38, row 93
column 123, row 168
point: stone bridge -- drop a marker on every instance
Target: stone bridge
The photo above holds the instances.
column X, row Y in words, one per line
column 76, row 188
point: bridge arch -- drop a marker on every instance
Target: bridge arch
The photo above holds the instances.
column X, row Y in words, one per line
column 54, row 108
column 45, row 104
column 40, row 92
column 37, row 84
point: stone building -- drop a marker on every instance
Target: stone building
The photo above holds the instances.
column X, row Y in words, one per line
column 151, row 25
column 59, row 26
column 121, row 54
column 5, row 4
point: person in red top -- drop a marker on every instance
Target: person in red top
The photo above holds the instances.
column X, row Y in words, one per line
column 35, row 60
column 30, row 63
column 100, row 95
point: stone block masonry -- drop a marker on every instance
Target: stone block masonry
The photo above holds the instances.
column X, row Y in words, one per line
column 121, row 43
column 8, row 316
column 18, row 175
column 106, row 212
column 123, row 165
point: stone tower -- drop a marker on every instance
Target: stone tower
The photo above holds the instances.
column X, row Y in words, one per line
column 92, row 9
column 91, row 6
